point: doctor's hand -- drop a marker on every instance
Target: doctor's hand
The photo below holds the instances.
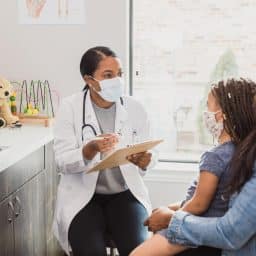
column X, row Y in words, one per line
column 159, row 219
column 101, row 144
column 105, row 142
column 141, row 160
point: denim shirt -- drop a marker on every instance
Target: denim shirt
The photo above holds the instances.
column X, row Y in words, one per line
column 235, row 232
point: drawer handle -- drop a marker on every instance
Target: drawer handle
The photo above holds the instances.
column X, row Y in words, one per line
column 18, row 211
column 10, row 206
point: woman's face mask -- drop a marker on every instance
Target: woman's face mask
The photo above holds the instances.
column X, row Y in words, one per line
column 214, row 127
column 111, row 89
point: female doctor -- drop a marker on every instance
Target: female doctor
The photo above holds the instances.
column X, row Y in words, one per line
column 89, row 124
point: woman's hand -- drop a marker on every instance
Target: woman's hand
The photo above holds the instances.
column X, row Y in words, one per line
column 159, row 219
column 141, row 160
column 105, row 142
column 100, row 144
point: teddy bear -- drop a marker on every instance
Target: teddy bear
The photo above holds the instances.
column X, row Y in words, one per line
column 6, row 116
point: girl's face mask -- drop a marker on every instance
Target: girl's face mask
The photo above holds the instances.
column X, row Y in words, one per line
column 214, row 127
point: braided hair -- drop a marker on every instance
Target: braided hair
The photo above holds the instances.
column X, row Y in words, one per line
column 237, row 99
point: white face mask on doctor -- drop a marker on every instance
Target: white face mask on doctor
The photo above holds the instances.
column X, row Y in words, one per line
column 214, row 127
column 111, row 89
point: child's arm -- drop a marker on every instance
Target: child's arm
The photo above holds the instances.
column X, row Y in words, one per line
column 199, row 203
column 174, row 206
column 204, row 193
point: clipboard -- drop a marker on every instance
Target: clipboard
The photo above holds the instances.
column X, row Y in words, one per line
column 119, row 156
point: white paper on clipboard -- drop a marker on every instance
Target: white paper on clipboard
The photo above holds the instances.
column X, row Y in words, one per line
column 119, row 156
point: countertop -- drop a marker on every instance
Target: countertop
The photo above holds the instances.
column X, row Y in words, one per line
column 20, row 142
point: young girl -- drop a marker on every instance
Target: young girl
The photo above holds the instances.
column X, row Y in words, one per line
column 229, row 119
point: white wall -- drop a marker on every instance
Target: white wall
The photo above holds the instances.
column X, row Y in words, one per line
column 53, row 52
column 168, row 182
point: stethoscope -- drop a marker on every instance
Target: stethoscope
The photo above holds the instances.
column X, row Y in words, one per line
column 86, row 89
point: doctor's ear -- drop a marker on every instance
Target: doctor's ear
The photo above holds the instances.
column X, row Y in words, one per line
column 88, row 79
column 91, row 82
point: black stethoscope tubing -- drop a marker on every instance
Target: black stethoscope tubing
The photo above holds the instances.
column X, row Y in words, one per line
column 86, row 89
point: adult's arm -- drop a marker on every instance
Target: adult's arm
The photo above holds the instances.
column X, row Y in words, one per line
column 231, row 232
column 68, row 153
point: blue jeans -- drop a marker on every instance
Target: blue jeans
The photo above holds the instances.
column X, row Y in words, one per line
column 121, row 215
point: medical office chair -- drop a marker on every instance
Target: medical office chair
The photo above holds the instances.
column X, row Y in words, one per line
column 112, row 247
column 110, row 244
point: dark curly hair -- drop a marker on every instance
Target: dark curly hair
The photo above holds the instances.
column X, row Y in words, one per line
column 237, row 99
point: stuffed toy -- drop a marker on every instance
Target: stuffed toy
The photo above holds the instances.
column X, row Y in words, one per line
column 6, row 116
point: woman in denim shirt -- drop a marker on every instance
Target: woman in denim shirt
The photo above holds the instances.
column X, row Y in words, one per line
column 235, row 232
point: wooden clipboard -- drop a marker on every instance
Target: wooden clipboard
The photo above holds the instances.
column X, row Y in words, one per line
column 119, row 156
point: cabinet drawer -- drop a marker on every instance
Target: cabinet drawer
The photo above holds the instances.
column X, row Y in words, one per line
column 15, row 176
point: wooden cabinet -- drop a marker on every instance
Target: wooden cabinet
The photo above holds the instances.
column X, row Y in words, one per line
column 29, row 222
column 6, row 227
column 26, row 213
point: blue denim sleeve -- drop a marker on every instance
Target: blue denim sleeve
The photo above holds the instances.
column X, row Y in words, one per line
column 231, row 232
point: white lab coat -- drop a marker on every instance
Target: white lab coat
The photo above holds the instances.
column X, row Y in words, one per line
column 76, row 187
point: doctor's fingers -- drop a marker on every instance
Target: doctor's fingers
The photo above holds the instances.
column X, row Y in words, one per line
column 142, row 156
column 147, row 155
column 110, row 135
column 109, row 142
column 104, row 148
column 132, row 160
column 136, row 161
column 135, row 157
column 113, row 139
column 101, row 146
column 106, row 141
column 143, row 160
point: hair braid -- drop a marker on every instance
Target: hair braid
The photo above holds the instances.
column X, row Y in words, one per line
column 237, row 99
